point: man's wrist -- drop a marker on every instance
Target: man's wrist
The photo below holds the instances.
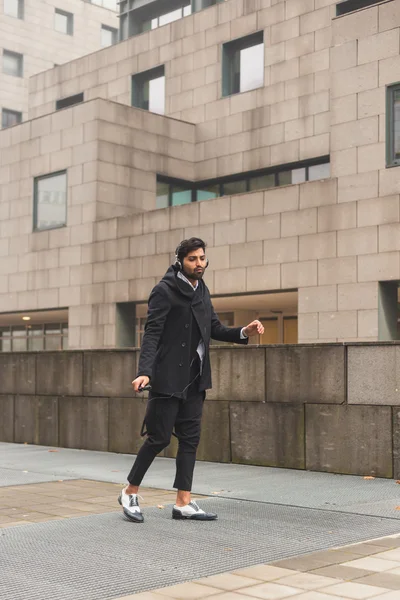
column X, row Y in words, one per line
column 243, row 333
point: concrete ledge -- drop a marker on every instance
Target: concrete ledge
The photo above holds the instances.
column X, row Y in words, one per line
column 7, row 418
column 84, row 423
column 271, row 435
column 125, row 421
column 109, row 374
column 59, row 373
column 238, row 374
column 353, row 440
column 36, row 420
column 374, row 375
column 301, row 374
column 17, row 373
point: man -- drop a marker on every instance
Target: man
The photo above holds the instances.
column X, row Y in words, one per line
column 175, row 360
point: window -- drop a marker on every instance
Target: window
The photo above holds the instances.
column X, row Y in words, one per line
column 13, row 63
column 64, row 22
column 171, row 192
column 50, row 201
column 70, row 101
column 110, row 4
column 148, row 90
column 109, row 36
column 10, row 118
column 243, row 64
column 14, row 8
column 393, row 126
column 347, row 6
column 34, row 338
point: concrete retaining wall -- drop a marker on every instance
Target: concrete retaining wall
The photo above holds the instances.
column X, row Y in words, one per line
column 333, row 408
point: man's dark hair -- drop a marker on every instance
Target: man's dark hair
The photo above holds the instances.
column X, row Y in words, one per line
column 189, row 245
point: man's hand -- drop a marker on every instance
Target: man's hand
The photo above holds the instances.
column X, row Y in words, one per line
column 254, row 328
column 140, row 382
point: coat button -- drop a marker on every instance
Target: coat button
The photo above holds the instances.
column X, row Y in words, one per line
column 183, row 344
column 181, row 364
column 186, row 325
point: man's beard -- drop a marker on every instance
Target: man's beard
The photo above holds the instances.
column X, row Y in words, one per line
column 195, row 276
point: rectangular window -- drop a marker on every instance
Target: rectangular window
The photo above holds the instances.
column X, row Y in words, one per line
column 64, row 22
column 109, row 36
column 348, row 6
column 208, row 192
column 10, row 118
column 243, row 64
column 319, row 172
column 235, row 187
column 70, row 101
column 181, row 195
column 148, row 90
column 14, row 8
column 13, row 63
column 393, row 126
column 50, row 201
column 162, row 200
column 262, row 182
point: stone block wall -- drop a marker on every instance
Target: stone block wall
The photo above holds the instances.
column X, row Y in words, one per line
column 332, row 408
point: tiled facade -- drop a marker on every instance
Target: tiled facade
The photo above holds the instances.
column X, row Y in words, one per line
column 34, row 36
column 324, row 94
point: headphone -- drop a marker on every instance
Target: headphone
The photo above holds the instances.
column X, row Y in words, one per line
column 178, row 263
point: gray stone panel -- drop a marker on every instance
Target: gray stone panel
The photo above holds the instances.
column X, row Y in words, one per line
column 36, row 420
column 374, row 375
column 84, row 423
column 17, row 373
column 110, row 373
column 314, row 374
column 126, row 417
column 215, row 433
column 268, row 434
column 238, row 374
column 7, row 418
column 60, row 373
column 353, row 440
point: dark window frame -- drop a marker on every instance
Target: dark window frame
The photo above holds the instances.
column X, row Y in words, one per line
column 349, row 6
column 248, row 175
column 20, row 58
column 391, row 160
column 70, row 21
column 69, row 101
column 36, row 181
column 229, row 51
column 137, row 82
column 20, row 10
column 13, row 112
column 114, row 32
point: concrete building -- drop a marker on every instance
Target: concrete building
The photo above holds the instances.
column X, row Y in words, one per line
column 269, row 128
column 37, row 35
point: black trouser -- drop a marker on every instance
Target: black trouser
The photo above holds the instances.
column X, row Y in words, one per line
column 162, row 415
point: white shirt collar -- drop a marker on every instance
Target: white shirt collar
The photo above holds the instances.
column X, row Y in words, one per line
column 184, row 278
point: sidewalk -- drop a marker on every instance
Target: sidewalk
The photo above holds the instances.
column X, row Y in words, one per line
column 311, row 536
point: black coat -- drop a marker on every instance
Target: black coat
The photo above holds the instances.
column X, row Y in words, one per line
column 165, row 352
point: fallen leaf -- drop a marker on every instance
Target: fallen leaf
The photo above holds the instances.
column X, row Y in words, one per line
column 397, row 507
column 228, row 549
column 115, row 471
column 215, row 493
column 60, row 480
column 25, row 471
column 368, row 477
column 160, row 506
column 52, row 451
column 398, row 481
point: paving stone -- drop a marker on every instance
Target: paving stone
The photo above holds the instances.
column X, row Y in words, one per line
column 307, row 581
column 227, row 581
column 302, row 563
column 270, row 591
column 350, row 589
column 265, row 572
column 373, row 564
column 188, row 591
column 387, row 579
